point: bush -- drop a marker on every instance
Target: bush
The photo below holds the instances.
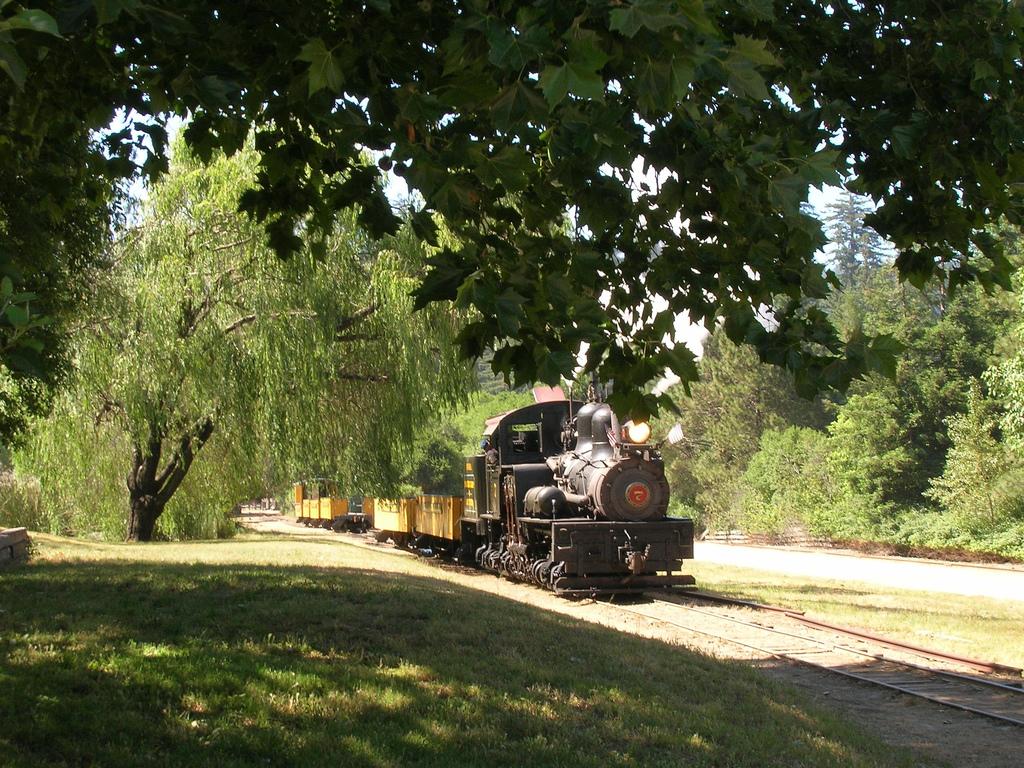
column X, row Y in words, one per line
column 680, row 509
column 868, row 455
column 786, row 483
column 81, row 488
column 940, row 529
column 20, row 503
column 983, row 481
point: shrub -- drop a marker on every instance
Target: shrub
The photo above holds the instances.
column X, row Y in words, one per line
column 983, row 481
column 81, row 489
column 786, row 483
column 20, row 503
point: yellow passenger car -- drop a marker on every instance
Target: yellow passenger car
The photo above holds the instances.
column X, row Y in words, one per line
column 395, row 519
column 439, row 517
column 319, row 504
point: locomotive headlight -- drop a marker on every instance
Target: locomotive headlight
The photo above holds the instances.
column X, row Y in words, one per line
column 638, row 432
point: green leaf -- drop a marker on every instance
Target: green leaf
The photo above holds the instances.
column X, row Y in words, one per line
column 683, row 73
column 681, row 361
column 108, row 10
column 903, row 141
column 215, row 91
column 377, row 215
column 424, row 226
column 442, row 282
column 508, row 311
column 916, row 266
column 34, row 20
column 12, row 63
column 983, row 71
column 813, row 283
column 787, row 192
column 820, row 168
column 6, row 288
column 696, row 15
column 654, row 15
column 883, row 354
column 759, row 10
column 744, row 79
column 754, row 50
column 574, row 78
column 586, row 53
column 517, row 103
column 282, row 238
column 509, row 167
column 512, row 50
column 324, row 71
column 554, row 83
column 552, row 366
column 17, row 315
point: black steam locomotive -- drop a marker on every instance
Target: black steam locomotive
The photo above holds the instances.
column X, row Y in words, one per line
column 564, row 496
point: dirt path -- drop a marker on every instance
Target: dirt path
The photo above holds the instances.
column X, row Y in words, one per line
column 1005, row 582
column 940, row 734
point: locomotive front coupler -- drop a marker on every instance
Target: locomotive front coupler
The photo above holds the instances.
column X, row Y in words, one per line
column 633, row 558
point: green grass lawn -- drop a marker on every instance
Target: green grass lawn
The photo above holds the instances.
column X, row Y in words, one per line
column 982, row 628
column 267, row 652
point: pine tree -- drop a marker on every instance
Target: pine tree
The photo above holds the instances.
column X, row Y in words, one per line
column 858, row 251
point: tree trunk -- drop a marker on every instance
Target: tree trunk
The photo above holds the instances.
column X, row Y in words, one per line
column 142, row 517
column 149, row 487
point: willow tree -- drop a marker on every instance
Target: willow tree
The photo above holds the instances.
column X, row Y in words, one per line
column 197, row 328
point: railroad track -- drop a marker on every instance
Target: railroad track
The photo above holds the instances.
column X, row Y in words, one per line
column 937, row 677
column 1000, row 697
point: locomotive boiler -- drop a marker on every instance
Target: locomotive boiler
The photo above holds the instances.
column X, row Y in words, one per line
column 564, row 496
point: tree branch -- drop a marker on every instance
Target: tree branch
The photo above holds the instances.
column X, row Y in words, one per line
column 348, row 322
column 250, row 319
column 226, row 246
column 174, row 473
column 369, row 377
column 357, row 337
column 109, row 406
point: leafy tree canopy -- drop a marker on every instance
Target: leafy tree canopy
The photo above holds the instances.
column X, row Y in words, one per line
column 505, row 115
column 56, row 208
column 737, row 400
column 947, row 344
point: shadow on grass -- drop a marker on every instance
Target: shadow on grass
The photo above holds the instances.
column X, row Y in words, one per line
column 141, row 664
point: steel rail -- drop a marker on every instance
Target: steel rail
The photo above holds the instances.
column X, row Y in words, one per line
column 999, row 684
column 925, row 676
column 980, row 666
column 713, row 598
column 975, row 664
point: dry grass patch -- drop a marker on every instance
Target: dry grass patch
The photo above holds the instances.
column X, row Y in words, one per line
column 979, row 627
